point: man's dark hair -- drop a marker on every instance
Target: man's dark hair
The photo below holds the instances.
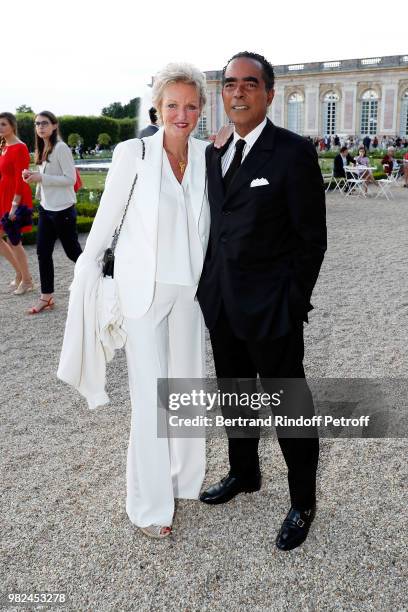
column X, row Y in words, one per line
column 342, row 149
column 153, row 114
column 267, row 68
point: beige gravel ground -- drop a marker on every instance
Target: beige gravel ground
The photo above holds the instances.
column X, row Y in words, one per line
column 63, row 521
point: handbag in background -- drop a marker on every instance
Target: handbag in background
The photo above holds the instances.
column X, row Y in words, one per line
column 78, row 182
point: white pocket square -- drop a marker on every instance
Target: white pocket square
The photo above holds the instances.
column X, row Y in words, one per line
column 259, row 182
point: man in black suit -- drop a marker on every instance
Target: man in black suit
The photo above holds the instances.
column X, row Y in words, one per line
column 267, row 243
column 153, row 127
column 341, row 160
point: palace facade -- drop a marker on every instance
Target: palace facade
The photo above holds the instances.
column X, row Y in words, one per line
column 352, row 97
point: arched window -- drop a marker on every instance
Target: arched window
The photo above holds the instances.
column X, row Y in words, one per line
column 295, row 113
column 404, row 115
column 369, row 110
column 330, row 113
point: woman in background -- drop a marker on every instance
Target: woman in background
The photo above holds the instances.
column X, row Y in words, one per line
column 57, row 214
column 14, row 158
column 362, row 160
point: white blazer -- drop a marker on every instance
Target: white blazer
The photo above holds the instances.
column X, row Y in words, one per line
column 83, row 358
column 136, row 251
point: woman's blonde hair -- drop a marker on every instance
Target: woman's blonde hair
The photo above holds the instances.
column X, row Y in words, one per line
column 178, row 72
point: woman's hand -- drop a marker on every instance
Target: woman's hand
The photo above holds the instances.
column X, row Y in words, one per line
column 223, row 135
column 12, row 213
column 31, row 177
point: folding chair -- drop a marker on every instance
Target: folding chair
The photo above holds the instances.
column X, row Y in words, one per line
column 395, row 175
column 328, row 178
column 339, row 183
column 384, row 188
column 355, row 184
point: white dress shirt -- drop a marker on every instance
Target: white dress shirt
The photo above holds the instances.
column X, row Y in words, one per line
column 250, row 140
column 179, row 250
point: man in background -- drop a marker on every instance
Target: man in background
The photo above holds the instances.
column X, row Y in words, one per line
column 153, row 127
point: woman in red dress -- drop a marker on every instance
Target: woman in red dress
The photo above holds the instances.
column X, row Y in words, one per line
column 14, row 158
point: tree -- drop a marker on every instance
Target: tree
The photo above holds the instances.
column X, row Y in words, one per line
column 132, row 108
column 104, row 139
column 25, row 129
column 117, row 110
column 74, row 140
column 114, row 110
column 24, row 109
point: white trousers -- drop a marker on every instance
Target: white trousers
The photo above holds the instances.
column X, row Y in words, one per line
column 167, row 342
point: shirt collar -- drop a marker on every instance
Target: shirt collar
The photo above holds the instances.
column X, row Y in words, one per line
column 252, row 137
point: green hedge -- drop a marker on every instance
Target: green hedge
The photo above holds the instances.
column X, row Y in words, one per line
column 88, row 127
column 127, row 129
column 87, row 210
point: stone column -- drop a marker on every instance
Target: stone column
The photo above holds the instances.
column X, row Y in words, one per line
column 388, row 119
column 276, row 108
column 349, row 124
column 311, row 125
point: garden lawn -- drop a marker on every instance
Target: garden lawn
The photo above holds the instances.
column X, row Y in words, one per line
column 93, row 180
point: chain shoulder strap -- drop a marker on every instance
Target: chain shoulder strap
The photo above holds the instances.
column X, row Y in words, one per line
column 118, row 229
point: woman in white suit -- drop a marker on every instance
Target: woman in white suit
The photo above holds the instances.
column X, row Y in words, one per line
column 158, row 263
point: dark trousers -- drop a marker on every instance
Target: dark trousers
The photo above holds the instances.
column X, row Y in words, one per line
column 270, row 358
column 51, row 226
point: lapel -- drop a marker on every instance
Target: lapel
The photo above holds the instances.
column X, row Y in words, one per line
column 149, row 179
column 257, row 157
column 215, row 174
column 197, row 178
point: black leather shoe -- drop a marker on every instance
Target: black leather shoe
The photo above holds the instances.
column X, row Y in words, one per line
column 229, row 487
column 295, row 528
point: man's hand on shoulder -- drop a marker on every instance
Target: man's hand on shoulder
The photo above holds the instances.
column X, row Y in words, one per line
column 223, row 136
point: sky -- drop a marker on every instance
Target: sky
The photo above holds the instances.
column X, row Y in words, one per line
column 77, row 57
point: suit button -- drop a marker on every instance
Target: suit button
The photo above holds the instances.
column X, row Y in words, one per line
column 226, row 212
column 224, row 239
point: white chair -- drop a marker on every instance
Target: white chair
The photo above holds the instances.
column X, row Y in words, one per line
column 395, row 175
column 355, row 184
column 328, row 178
column 384, row 188
column 339, row 183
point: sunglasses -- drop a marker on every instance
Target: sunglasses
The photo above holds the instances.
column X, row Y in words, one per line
column 41, row 123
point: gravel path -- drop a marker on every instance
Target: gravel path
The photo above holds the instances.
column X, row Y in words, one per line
column 64, row 526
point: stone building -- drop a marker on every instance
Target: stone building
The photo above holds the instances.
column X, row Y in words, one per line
column 352, row 97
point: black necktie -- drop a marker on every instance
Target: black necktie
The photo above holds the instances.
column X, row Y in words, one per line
column 235, row 164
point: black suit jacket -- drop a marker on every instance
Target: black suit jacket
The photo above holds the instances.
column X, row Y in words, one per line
column 267, row 243
column 148, row 131
column 338, row 167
